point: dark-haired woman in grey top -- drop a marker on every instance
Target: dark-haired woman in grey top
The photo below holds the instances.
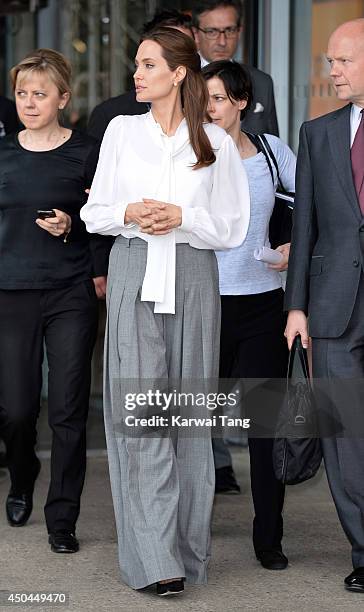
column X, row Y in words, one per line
column 252, row 325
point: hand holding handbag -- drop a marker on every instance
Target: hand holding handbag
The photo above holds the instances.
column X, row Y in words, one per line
column 297, row 451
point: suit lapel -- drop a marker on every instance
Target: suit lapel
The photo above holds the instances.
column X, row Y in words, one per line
column 338, row 131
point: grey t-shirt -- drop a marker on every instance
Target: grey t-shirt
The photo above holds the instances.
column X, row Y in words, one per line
column 239, row 272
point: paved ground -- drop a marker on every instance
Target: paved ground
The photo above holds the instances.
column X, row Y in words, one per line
column 317, row 549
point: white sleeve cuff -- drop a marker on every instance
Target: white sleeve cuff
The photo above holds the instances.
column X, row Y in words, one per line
column 119, row 216
column 188, row 219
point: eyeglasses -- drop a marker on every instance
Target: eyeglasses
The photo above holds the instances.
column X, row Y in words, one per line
column 212, row 33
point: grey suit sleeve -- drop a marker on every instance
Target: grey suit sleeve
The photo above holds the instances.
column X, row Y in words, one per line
column 304, row 233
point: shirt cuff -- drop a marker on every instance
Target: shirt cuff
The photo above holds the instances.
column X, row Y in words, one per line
column 188, row 219
column 119, row 216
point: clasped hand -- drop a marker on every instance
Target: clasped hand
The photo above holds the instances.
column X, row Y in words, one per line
column 154, row 217
column 58, row 225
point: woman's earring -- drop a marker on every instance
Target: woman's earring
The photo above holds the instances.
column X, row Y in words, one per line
column 175, row 84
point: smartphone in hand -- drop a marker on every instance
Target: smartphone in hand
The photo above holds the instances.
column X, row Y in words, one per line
column 45, row 214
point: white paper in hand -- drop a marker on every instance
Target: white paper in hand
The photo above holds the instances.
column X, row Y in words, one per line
column 268, row 255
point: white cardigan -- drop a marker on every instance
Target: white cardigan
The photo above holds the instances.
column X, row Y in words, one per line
column 137, row 160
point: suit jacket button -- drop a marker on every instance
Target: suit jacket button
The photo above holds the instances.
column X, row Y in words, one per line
column 355, row 263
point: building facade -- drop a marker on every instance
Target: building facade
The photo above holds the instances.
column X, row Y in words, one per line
column 286, row 38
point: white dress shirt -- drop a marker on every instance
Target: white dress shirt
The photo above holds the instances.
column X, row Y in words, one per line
column 137, row 160
column 355, row 118
column 204, row 61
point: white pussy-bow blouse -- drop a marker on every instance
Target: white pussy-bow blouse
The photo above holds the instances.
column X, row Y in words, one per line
column 137, row 160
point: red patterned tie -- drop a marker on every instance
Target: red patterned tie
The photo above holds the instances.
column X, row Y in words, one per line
column 357, row 162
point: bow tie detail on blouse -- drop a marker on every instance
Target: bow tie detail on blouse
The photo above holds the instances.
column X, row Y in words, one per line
column 161, row 258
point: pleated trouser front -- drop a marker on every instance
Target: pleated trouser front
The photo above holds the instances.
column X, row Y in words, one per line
column 162, row 486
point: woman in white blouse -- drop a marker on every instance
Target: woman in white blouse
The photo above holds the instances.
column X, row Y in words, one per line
column 172, row 190
column 252, row 322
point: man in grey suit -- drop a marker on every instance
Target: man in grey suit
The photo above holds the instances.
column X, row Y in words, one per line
column 217, row 28
column 325, row 276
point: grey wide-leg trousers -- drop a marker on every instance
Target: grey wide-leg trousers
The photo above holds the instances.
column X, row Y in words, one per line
column 162, row 485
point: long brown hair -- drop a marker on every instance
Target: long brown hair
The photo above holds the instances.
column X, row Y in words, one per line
column 178, row 49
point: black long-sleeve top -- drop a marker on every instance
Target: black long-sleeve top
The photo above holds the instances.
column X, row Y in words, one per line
column 30, row 257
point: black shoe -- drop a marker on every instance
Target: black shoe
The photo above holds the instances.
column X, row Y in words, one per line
column 19, row 505
column 63, row 541
column 272, row 559
column 355, row 580
column 175, row 587
column 226, row 481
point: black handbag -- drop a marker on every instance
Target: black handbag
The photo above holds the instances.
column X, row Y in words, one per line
column 297, row 450
column 280, row 224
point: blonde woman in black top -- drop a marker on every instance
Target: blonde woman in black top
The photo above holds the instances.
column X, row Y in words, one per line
column 46, row 293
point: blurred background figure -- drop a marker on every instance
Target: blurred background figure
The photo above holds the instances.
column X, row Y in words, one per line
column 172, row 19
column 217, row 25
column 8, row 117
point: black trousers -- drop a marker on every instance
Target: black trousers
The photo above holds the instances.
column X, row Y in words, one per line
column 253, row 346
column 66, row 320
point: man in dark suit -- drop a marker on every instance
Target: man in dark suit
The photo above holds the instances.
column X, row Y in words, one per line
column 126, row 104
column 325, row 276
column 8, row 117
column 8, row 123
column 217, row 29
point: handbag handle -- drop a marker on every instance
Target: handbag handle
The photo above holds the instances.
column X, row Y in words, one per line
column 273, row 158
column 257, row 142
column 262, row 144
column 302, row 354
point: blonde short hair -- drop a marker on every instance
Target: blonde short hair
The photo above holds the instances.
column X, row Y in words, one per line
column 49, row 62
